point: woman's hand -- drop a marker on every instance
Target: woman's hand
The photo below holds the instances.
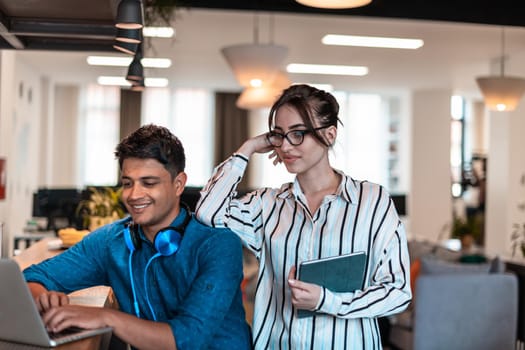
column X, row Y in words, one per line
column 304, row 295
column 256, row 144
column 276, row 159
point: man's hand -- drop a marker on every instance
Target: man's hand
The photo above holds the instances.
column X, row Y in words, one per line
column 59, row 318
column 304, row 295
column 45, row 299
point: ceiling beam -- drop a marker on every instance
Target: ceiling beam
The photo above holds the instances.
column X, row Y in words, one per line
column 66, row 29
column 9, row 37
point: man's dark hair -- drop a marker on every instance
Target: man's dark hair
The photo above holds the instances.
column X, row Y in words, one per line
column 153, row 142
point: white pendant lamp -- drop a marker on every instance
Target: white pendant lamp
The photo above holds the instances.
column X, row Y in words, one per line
column 501, row 93
column 254, row 64
column 264, row 96
column 334, row 4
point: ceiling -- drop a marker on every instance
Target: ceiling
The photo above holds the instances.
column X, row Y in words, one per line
column 461, row 38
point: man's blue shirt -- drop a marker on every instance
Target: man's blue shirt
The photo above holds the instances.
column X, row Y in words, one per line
column 196, row 290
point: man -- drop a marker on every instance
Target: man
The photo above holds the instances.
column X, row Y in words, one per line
column 177, row 282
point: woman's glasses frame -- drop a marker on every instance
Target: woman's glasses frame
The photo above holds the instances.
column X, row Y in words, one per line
column 294, row 137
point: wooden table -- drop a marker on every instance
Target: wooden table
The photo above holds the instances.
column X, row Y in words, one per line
column 95, row 296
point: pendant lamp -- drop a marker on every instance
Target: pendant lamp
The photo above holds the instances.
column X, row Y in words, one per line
column 138, row 85
column 130, row 14
column 501, row 93
column 129, row 48
column 254, row 64
column 334, row 4
column 128, row 35
column 136, row 70
column 263, row 96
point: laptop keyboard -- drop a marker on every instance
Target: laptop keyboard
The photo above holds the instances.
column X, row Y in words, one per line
column 65, row 332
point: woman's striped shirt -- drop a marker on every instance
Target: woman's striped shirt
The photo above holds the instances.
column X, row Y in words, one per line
column 276, row 225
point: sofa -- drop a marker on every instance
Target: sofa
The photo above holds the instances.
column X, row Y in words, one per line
column 456, row 305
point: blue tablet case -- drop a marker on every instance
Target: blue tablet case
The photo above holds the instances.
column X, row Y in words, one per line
column 342, row 273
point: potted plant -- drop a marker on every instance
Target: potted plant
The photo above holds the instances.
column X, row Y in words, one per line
column 102, row 207
column 468, row 231
column 517, row 238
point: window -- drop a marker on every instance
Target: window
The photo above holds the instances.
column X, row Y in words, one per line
column 188, row 113
column 457, row 154
column 98, row 134
column 362, row 145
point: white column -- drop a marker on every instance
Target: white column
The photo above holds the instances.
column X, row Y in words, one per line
column 430, row 204
column 505, row 171
column 64, row 150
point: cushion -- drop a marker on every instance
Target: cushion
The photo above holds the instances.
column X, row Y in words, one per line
column 435, row 266
column 415, row 268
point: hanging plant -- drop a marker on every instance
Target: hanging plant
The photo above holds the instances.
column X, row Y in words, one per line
column 160, row 12
column 517, row 236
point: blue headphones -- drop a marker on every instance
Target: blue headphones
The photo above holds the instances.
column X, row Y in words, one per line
column 166, row 242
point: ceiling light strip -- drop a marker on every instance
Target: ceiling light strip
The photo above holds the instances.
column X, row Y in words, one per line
column 158, row 32
column 121, row 81
column 326, row 69
column 125, row 61
column 372, row 41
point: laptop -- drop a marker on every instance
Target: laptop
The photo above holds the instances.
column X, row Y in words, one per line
column 20, row 321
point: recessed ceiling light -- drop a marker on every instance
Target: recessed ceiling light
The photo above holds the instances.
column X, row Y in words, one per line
column 121, row 81
column 158, row 32
column 372, row 41
column 326, row 69
column 125, row 61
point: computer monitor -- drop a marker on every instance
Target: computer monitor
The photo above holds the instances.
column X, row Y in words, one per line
column 58, row 205
column 191, row 196
column 400, row 203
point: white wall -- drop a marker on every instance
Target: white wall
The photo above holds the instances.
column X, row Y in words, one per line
column 6, row 106
column 38, row 121
column 19, row 133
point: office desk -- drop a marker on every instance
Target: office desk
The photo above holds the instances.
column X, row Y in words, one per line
column 95, row 296
column 26, row 239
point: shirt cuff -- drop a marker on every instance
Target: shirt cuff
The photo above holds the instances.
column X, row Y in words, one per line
column 329, row 303
column 320, row 302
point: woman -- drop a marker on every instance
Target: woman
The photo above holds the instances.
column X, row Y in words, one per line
column 323, row 213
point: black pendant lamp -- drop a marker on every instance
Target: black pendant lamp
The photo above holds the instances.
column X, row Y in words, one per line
column 129, row 48
column 128, row 35
column 138, row 85
column 136, row 70
column 130, row 14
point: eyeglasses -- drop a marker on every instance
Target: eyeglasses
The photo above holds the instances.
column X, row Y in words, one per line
column 294, row 137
